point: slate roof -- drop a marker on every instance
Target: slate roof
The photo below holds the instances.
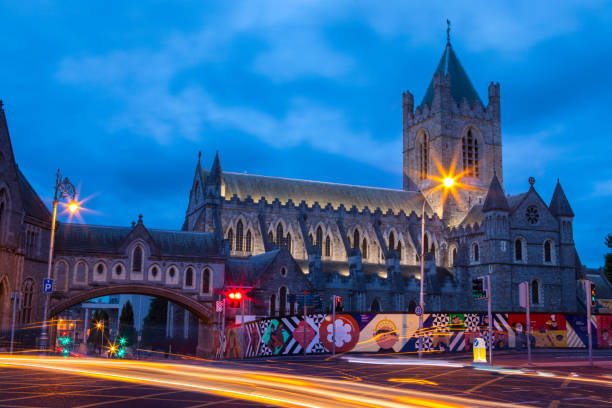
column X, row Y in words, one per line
column 270, row 188
column 460, row 84
column 32, row 204
column 249, row 270
column 369, row 269
column 602, row 285
column 515, row 200
column 108, row 240
column 559, row 206
column 473, row 216
column 495, row 200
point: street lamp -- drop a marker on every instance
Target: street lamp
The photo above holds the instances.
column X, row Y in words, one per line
column 447, row 182
column 63, row 189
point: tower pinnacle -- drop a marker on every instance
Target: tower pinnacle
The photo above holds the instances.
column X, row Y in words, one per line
column 448, row 24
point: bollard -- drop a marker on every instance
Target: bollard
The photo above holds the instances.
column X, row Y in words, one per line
column 480, row 350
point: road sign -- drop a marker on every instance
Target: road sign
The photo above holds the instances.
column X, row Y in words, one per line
column 48, row 286
column 219, row 305
column 480, row 350
column 418, row 311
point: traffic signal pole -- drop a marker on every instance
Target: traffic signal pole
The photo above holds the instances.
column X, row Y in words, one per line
column 334, row 325
column 490, row 320
column 305, row 293
column 589, row 301
column 243, row 332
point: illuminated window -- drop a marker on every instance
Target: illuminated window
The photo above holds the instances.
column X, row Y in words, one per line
column 249, row 242
column 137, row 259
column 471, row 165
column 230, row 238
column 424, row 156
column 239, row 235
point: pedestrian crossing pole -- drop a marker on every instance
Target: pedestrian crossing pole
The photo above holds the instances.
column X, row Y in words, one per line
column 587, row 287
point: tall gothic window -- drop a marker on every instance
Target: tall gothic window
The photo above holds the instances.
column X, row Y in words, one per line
column 391, row 241
column 319, row 237
column 239, row 235
column 518, row 249
column 249, row 242
column 424, row 157
column 364, row 249
column 289, row 243
column 356, row 239
column 426, row 242
column 471, row 164
column 327, row 246
column 547, row 251
column 230, row 238
column 399, row 249
column 271, row 237
column 454, row 256
column 475, row 253
column 279, row 235
column 26, row 307
column 535, row 292
column 137, row 259
column 189, row 277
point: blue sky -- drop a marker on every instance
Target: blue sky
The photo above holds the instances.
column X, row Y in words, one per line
column 122, row 96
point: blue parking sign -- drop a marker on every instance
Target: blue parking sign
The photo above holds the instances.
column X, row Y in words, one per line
column 48, row 286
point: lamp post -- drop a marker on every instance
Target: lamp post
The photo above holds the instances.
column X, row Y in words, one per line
column 446, row 183
column 63, row 189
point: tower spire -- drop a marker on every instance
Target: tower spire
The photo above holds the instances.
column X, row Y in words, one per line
column 448, row 24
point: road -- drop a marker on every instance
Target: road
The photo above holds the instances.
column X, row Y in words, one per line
column 353, row 381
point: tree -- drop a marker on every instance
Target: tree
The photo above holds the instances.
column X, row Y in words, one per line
column 98, row 336
column 608, row 258
column 126, row 324
column 154, row 325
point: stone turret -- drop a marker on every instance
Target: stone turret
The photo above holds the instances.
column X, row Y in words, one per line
column 496, row 224
column 561, row 209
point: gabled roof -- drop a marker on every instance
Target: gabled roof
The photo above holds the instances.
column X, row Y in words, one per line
column 495, row 200
column 515, row 200
column 559, row 206
column 32, row 204
column 460, row 84
column 103, row 239
column 473, row 216
column 244, row 185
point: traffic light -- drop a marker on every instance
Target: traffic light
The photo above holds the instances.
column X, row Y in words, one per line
column 338, row 304
column 235, row 298
column 593, row 297
column 478, row 290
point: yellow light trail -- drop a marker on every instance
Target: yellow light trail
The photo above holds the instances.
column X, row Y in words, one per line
column 248, row 384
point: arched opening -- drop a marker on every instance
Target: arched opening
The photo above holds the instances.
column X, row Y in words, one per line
column 412, row 306
column 249, row 242
column 270, row 237
column 471, row 163
column 319, row 236
column 279, row 235
column 518, row 249
column 364, row 248
column 391, row 241
column 475, row 253
column 375, row 306
column 189, row 277
column 80, row 272
column 399, row 249
column 535, row 292
column 282, row 301
column 548, row 251
column 426, row 242
column 239, row 236
column 454, row 256
column 27, row 300
column 137, row 259
column 60, row 276
column 230, row 238
column 206, row 282
column 424, row 156
column 327, row 246
column 289, row 242
column 356, row 239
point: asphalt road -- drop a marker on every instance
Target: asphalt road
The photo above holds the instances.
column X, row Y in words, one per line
column 354, row 381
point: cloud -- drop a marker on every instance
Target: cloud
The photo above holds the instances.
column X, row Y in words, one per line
column 533, row 153
column 602, row 188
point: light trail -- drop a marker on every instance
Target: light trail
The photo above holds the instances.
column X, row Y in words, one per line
column 248, row 384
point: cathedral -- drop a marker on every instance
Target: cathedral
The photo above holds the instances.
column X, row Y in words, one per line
column 285, row 240
column 363, row 243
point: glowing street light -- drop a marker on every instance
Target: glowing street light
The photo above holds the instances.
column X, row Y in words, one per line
column 449, row 182
column 63, row 189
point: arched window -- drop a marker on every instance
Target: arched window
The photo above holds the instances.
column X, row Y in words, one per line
column 80, row 272
column 518, row 249
column 282, row 301
column 399, row 249
column 61, row 274
column 319, row 237
column 289, row 242
column 412, row 306
column 471, row 165
column 311, row 239
column 375, row 307
column 189, row 277
column 433, row 247
column 454, row 258
column 239, row 235
column 279, row 235
column 475, row 253
column 137, row 259
column 26, row 306
column 100, row 269
column 172, row 272
column 391, row 241
column 424, row 157
column 230, row 238
column 118, row 270
column 364, row 249
column 270, row 237
column 206, row 280
column 547, row 251
column 535, row 292
column 426, row 242
column 356, row 239
column 249, row 242
column 327, row 246
column 273, row 304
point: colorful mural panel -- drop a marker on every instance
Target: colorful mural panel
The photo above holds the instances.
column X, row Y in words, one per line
column 398, row 332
